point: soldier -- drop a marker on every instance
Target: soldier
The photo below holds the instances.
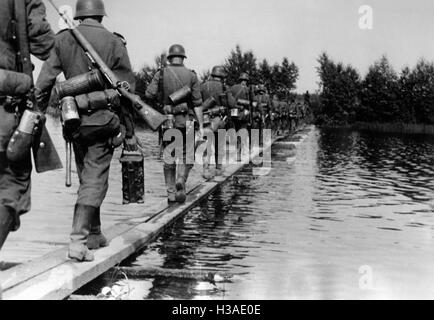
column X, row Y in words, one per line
column 275, row 114
column 284, row 106
column 169, row 80
column 215, row 88
column 264, row 106
column 93, row 155
column 15, row 176
column 241, row 94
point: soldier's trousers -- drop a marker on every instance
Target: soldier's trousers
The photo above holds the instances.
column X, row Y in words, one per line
column 183, row 154
column 15, row 183
column 93, row 167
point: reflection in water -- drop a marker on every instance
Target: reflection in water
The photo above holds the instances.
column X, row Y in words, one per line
column 351, row 217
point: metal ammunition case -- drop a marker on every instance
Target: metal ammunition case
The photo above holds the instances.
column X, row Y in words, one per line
column 133, row 177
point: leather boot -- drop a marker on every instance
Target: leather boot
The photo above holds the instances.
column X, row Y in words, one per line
column 6, row 221
column 78, row 249
column 183, row 172
column 207, row 174
column 96, row 238
column 170, row 177
column 218, row 170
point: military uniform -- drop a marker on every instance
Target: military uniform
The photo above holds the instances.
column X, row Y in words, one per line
column 240, row 91
column 165, row 82
column 284, row 106
column 92, row 157
column 264, row 109
column 15, row 177
column 215, row 88
column 275, row 114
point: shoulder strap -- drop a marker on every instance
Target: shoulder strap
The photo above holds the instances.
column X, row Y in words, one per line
column 161, row 85
column 176, row 77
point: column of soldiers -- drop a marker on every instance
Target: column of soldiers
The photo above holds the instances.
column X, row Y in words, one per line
column 106, row 120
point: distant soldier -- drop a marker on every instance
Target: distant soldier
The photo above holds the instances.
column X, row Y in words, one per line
column 168, row 81
column 275, row 114
column 292, row 115
column 264, row 107
column 284, row 116
column 15, row 176
column 215, row 88
column 241, row 93
column 93, row 154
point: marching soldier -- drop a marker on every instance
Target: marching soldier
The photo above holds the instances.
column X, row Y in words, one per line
column 275, row 114
column 93, row 153
column 264, row 106
column 15, row 176
column 241, row 93
column 178, row 89
column 284, row 106
column 215, row 89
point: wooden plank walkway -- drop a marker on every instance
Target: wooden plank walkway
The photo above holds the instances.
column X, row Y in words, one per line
column 40, row 246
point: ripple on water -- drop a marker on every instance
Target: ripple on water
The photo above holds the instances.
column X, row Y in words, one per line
column 347, row 200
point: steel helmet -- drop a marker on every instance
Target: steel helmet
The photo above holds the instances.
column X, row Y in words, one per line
column 89, row 8
column 244, row 77
column 176, row 50
column 219, row 72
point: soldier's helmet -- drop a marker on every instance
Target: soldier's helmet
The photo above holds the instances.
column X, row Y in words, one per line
column 176, row 50
column 89, row 8
column 218, row 72
column 244, row 77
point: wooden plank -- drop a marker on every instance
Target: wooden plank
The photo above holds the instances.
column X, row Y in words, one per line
column 55, row 277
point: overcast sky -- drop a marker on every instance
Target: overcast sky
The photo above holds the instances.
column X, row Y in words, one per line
column 297, row 29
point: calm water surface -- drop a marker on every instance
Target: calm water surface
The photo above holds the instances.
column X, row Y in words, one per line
column 350, row 217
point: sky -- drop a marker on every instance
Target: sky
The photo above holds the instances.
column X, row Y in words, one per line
column 273, row 29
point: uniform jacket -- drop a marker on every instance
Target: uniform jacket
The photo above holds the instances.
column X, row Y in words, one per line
column 41, row 37
column 214, row 88
column 240, row 91
column 169, row 80
column 68, row 57
column 266, row 100
column 176, row 76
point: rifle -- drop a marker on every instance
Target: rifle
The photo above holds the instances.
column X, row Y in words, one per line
column 45, row 155
column 153, row 118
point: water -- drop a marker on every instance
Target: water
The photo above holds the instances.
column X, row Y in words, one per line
column 350, row 217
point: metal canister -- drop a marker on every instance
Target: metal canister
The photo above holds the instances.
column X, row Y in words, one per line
column 84, row 83
column 170, row 122
column 28, row 122
column 21, row 141
column 133, row 177
column 180, row 95
column 70, row 116
column 206, row 118
column 235, row 112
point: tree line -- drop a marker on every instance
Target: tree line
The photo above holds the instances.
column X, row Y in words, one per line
column 382, row 96
column 279, row 78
